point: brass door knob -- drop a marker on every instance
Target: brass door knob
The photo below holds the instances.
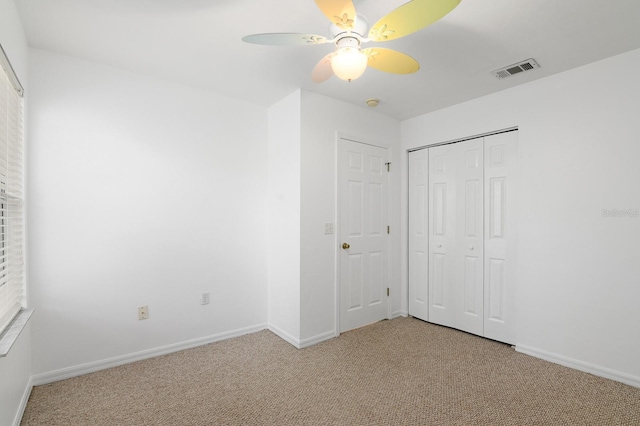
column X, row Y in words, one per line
column 345, row 246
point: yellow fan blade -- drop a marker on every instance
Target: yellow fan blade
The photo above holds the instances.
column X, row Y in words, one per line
column 392, row 61
column 323, row 70
column 410, row 17
column 341, row 13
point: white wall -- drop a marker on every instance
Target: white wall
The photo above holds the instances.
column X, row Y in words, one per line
column 15, row 368
column 322, row 119
column 579, row 148
column 284, row 218
column 303, row 131
column 142, row 193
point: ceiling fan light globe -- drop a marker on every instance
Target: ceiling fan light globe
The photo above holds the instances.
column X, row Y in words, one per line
column 349, row 63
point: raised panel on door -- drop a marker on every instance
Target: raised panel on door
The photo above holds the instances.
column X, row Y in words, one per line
column 469, row 244
column 418, row 234
column 363, row 192
column 355, row 272
column 353, row 267
column 442, row 231
column 500, row 226
column 376, row 216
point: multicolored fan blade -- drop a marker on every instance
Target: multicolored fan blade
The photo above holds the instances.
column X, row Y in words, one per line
column 323, row 70
column 410, row 17
column 392, row 61
column 285, row 39
column 341, row 13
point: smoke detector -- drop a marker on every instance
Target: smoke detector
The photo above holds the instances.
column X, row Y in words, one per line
column 372, row 102
column 523, row 66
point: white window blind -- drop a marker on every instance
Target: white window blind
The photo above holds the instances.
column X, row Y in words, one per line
column 11, row 194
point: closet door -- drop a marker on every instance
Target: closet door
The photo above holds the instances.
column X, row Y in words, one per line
column 456, row 235
column 501, row 239
column 469, row 241
column 442, row 235
column 470, row 265
column 418, row 234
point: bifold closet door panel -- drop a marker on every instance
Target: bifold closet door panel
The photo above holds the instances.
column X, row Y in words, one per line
column 456, row 235
column 442, row 231
column 501, row 172
column 419, row 234
column 469, row 239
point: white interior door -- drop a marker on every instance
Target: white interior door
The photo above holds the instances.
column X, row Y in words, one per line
column 364, row 254
column 501, row 240
column 419, row 234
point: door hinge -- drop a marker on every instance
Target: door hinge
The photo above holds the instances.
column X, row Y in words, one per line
column 388, row 229
column 387, row 291
column 388, row 166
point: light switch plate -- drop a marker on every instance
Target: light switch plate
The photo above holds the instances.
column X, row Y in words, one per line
column 328, row 228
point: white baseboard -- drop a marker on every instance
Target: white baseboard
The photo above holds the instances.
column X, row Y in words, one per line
column 576, row 364
column 397, row 314
column 284, row 335
column 305, row 343
column 23, row 403
column 79, row 370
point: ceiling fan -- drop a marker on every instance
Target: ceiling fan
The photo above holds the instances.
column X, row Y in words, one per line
column 348, row 30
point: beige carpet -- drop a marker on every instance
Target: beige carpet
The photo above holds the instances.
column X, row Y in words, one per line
column 398, row 372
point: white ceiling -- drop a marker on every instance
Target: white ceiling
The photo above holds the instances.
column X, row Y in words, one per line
column 198, row 43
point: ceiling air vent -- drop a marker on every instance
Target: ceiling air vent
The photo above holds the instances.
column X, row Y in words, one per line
column 523, row 66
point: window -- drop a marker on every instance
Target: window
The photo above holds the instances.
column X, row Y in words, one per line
column 11, row 194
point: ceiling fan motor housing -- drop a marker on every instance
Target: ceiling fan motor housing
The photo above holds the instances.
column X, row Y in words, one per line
column 348, row 40
column 360, row 27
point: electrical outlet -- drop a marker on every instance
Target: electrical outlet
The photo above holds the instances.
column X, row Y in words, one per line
column 328, row 228
column 143, row 312
column 204, row 299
